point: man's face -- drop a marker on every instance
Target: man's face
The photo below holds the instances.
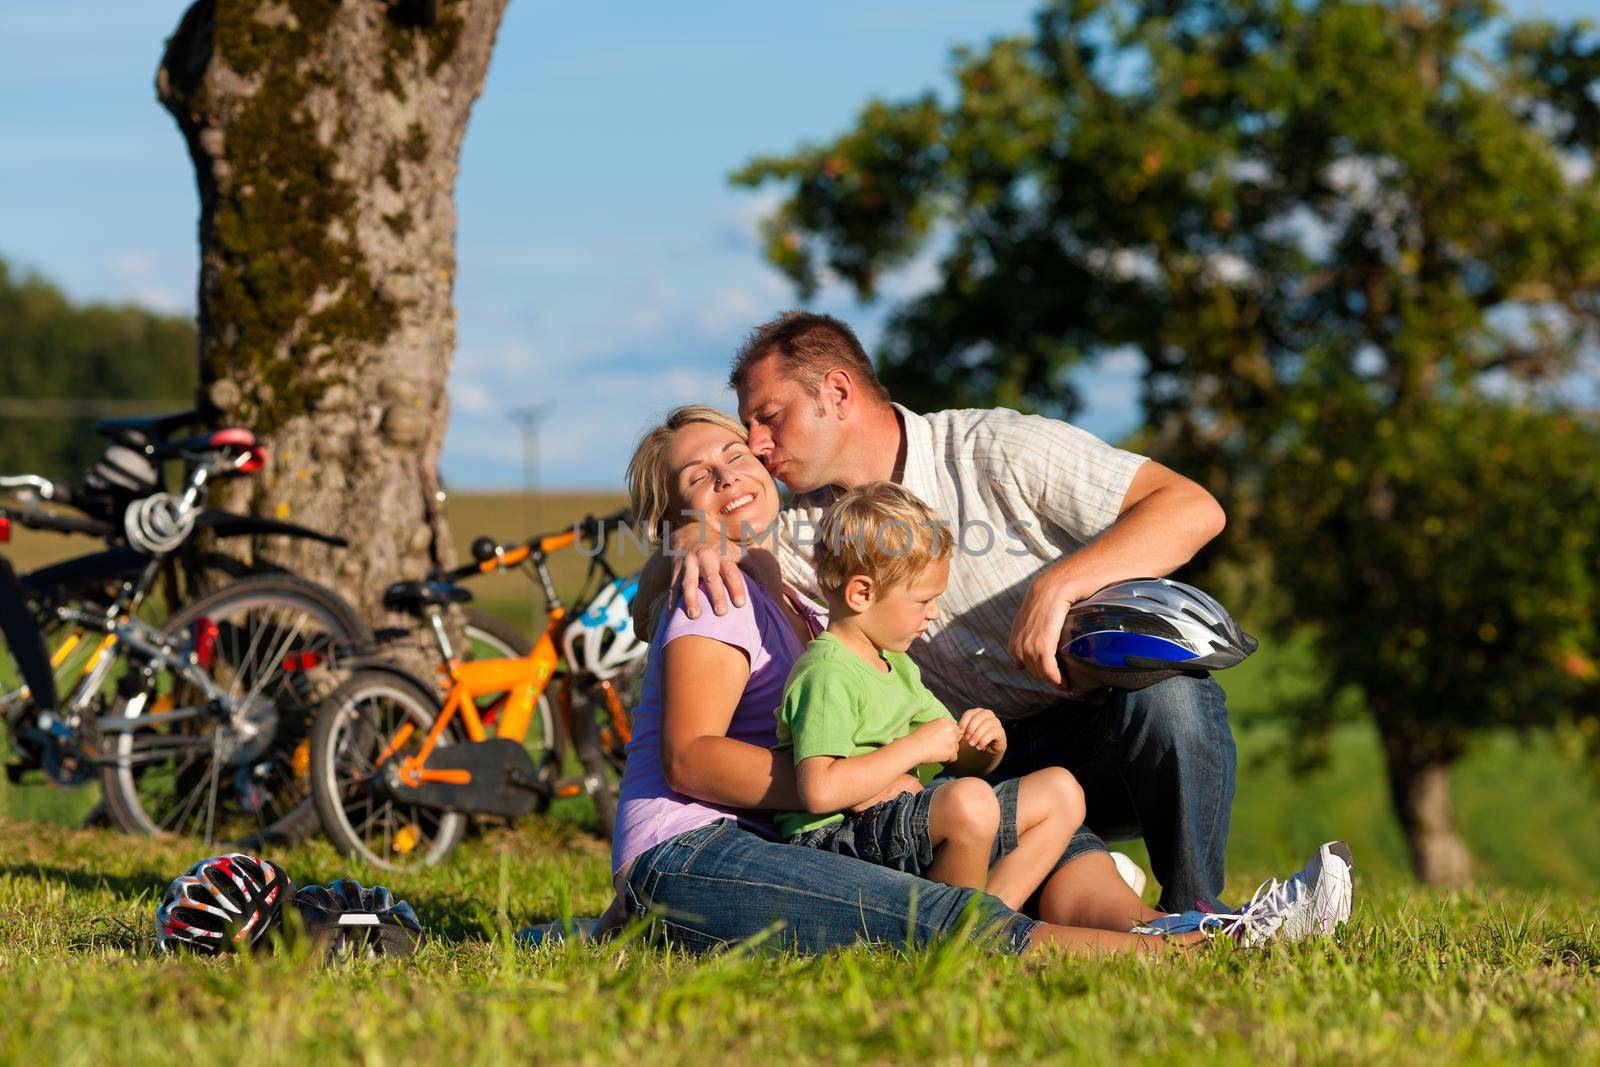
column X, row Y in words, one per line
column 793, row 432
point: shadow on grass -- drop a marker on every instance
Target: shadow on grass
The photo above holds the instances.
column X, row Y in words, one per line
column 144, row 883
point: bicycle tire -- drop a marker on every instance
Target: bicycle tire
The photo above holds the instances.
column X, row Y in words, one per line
column 507, row 640
column 287, row 813
column 598, row 773
column 335, row 802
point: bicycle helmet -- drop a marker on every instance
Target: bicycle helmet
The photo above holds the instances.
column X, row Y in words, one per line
column 117, row 478
column 602, row 640
column 356, row 920
column 1133, row 634
column 222, row 904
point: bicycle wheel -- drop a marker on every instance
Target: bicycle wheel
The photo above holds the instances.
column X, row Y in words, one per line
column 355, row 730
column 277, row 640
column 600, row 778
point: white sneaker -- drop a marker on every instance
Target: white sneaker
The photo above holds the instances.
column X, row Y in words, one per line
column 1131, row 872
column 1312, row 902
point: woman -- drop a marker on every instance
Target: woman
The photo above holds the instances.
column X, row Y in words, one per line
column 689, row 851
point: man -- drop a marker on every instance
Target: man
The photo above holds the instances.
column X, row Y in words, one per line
column 1045, row 514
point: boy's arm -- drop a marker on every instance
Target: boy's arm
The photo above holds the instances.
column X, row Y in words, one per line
column 834, row 783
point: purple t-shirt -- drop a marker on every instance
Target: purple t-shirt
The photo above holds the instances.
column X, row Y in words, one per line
column 650, row 811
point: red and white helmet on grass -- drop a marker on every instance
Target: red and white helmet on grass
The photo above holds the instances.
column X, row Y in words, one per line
column 223, row 904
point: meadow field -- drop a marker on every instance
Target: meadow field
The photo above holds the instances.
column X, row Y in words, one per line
column 1507, row 972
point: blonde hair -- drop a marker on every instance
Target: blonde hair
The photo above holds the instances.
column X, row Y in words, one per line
column 649, row 482
column 880, row 530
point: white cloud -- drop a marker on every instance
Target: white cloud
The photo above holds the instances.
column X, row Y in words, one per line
column 141, row 280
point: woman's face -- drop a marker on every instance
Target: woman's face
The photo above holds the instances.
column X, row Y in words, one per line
column 712, row 471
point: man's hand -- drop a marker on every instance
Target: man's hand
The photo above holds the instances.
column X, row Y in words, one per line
column 938, row 741
column 906, row 783
column 982, row 732
column 1036, row 631
column 699, row 556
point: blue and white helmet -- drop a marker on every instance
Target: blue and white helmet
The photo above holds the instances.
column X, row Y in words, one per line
column 602, row 640
column 1133, row 634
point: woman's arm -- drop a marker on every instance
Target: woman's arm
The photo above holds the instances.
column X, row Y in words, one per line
column 702, row 680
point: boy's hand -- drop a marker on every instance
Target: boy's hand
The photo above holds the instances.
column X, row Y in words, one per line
column 906, row 783
column 981, row 730
column 938, row 741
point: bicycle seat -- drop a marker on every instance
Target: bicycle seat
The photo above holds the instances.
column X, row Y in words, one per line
column 146, row 428
column 414, row 596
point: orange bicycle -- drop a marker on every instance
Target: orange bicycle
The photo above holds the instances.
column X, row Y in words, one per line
column 396, row 771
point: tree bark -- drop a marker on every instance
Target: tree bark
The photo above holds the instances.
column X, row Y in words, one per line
column 1419, row 786
column 326, row 138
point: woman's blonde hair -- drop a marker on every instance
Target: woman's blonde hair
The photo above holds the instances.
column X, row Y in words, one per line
column 649, row 481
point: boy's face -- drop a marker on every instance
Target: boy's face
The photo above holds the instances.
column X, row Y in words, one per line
column 893, row 616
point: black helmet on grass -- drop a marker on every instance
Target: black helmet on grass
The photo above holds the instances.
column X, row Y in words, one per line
column 359, row 921
column 223, row 904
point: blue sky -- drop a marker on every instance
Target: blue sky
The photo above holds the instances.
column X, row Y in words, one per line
column 606, row 268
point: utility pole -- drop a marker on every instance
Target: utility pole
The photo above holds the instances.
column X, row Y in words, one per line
column 528, row 420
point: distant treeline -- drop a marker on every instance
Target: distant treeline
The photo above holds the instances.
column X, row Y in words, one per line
column 52, row 348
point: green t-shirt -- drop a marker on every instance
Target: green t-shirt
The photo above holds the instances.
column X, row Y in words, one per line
column 836, row 705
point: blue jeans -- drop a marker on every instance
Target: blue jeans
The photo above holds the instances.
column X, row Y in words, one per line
column 720, row 884
column 896, row 834
column 1158, row 763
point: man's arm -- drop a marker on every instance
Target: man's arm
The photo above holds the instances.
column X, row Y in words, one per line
column 1164, row 520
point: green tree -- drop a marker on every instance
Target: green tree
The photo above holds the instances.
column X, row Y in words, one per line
column 1358, row 248
column 53, row 349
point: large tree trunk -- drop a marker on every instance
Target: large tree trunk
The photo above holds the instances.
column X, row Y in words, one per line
column 1419, row 786
column 326, row 137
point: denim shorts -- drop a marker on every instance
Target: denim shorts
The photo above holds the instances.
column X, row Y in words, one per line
column 895, row 834
column 720, row 885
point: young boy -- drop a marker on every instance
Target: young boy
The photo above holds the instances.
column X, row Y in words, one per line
column 859, row 721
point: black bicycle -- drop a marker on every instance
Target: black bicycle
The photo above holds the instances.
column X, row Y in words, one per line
column 199, row 724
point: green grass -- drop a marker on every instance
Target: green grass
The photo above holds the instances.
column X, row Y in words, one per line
column 1497, row 977
column 1509, row 973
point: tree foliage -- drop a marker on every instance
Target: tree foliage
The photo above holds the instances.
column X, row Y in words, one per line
column 1358, row 248
column 52, row 348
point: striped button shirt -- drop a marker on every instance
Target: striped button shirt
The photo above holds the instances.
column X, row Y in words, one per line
column 1020, row 491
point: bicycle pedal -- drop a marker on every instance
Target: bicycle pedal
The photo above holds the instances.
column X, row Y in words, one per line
column 68, row 768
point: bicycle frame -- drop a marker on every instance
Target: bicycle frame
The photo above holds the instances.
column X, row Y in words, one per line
column 523, row 680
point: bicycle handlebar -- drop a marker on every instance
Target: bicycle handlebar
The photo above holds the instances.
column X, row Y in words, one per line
column 44, row 487
column 493, row 556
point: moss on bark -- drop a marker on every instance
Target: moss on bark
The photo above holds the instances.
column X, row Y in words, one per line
column 284, row 227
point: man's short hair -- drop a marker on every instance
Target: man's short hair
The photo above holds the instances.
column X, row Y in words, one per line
column 881, row 530
column 807, row 345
